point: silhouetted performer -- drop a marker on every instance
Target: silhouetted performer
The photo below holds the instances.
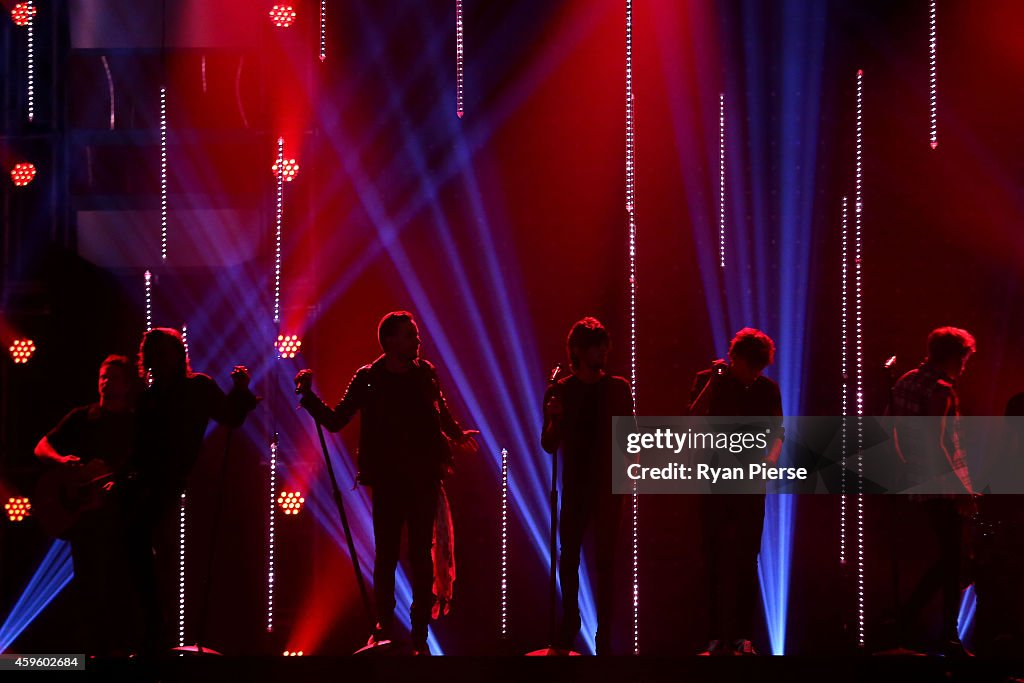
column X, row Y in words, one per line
column 403, row 453
column 932, row 456
column 173, row 415
column 102, row 431
column 578, row 412
column 732, row 523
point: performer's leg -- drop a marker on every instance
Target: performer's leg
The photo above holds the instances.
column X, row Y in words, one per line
column 749, row 517
column 422, row 512
column 83, row 561
column 948, row 526
column 571, row 526
column 714, row 542
column 936, row 578
column 607, row 529
column 388, row 516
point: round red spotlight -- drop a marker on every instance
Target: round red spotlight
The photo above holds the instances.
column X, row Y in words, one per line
column 288, row 345
column 290, row 169
column 18, row 508
column 291, row 502
column 282, row 16
column 23, row 173
column 21, row 350
column 22, row 13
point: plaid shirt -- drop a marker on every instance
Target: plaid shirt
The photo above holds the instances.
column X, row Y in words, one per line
column 927, row 391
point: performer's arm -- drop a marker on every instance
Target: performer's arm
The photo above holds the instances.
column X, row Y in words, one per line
column 45, row 451
column 231, row 409
column 50, row 446
column 778, row 433
column 700, row 394
column 333, row 419
column 551, row 432
column 956, row 459
column 623, row 405
column 449, row 425
column 461, row 438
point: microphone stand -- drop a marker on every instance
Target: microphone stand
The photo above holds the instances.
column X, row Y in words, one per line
column 356, row 567
column 552, row 650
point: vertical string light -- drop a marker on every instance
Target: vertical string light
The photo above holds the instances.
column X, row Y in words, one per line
column 504, row 543
column 721, row 180
column 184, row 338
column 163, row 173
column 859, row 349
column 458, row 59
column 323, row 30
column 30, row 76
column 149, row 301
column 933, row 72
column 279, row 222
column 271, row 534
column 844, row 341
column 631, row 212
column 181, row 572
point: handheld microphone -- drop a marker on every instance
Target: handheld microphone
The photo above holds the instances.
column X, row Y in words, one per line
column 555, row 372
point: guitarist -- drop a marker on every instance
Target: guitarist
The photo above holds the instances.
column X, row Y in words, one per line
column 99, row 437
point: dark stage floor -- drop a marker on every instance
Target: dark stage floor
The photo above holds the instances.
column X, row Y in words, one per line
column 537, row 670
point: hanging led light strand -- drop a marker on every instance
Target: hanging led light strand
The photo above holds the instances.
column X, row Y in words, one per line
column 721, row 180
column 271, row 534
column 181, row 572
column 458, row 60
column 279, row 222
column 30, row 62
column 323, row 30
column 631, row 214
column 859, row 349
column 149, row 301
column 504, row 543
column 844, row 354
column 163, row 173
column 933, row 72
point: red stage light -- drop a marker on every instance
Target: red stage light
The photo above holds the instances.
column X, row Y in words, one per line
column 21, row 350
column 289, row 653
column 23, row 173
column 288, row 345
column 18, row 508
column 291, row 502
column 283, row 16
column 22, row 13
column 291, row 169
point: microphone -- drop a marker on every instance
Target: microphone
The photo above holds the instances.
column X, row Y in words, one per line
column 555, row 372
column 298, row 382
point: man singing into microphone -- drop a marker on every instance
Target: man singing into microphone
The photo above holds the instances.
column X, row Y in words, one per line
column 403, row 453
column 732, row 523
column 578, row 413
